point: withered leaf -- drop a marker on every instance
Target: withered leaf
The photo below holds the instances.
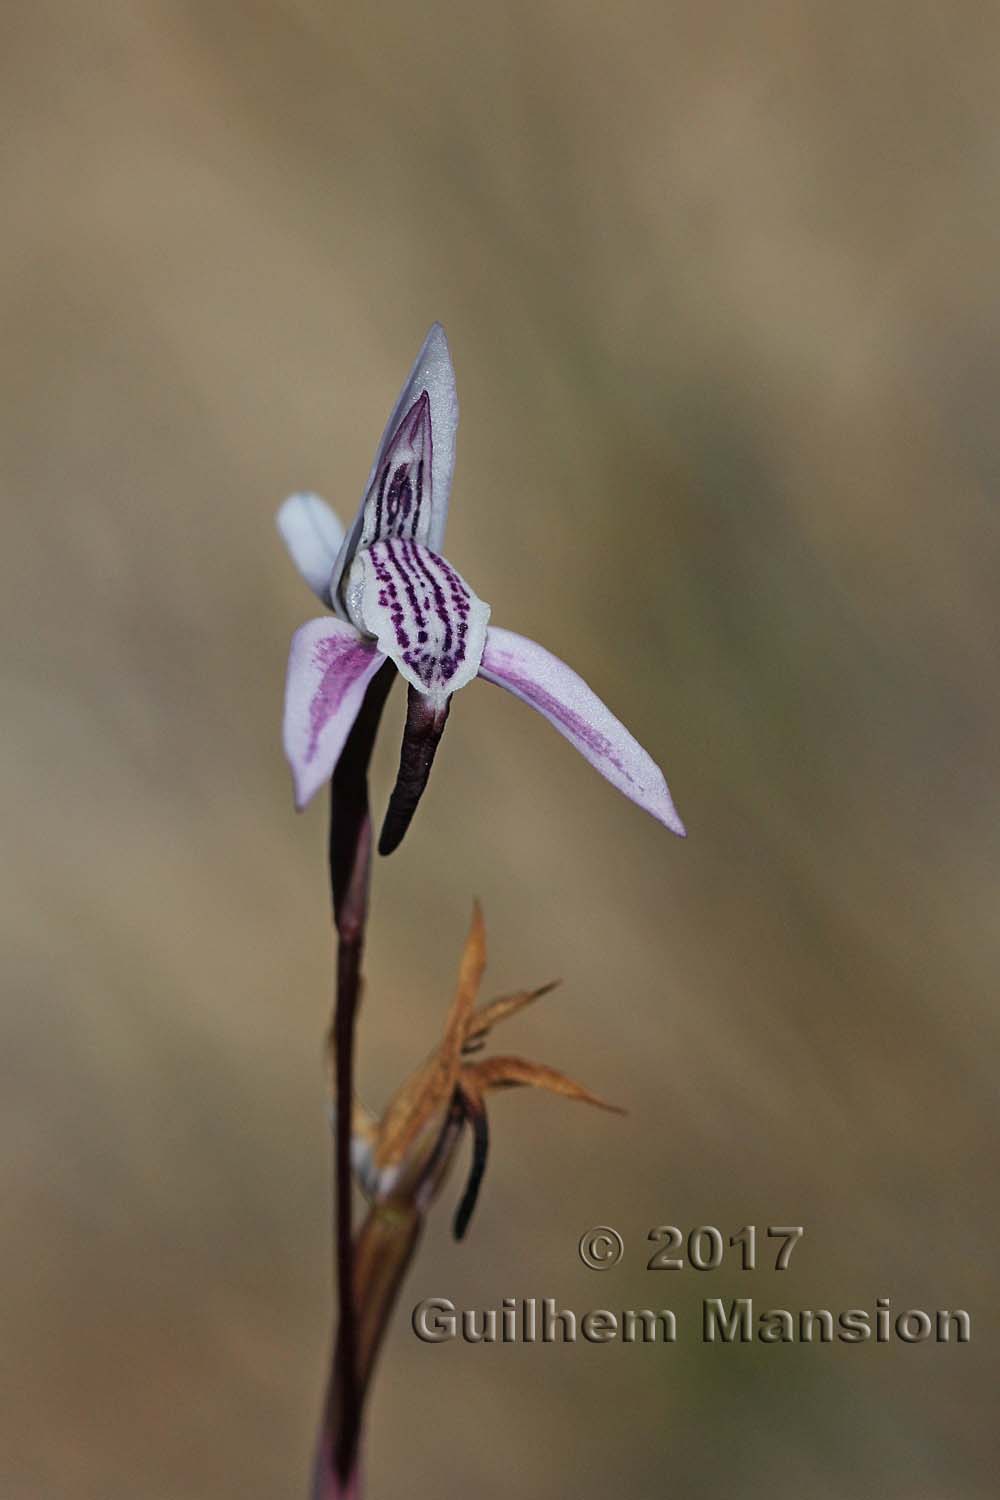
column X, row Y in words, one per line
column 428, row 1091
column 511, row 1072
column 488, row 1015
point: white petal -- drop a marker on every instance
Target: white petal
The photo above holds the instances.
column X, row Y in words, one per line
column 329, row 669
column 416, row 431
column 540, row 679
column 313, row 535
column 422, row 613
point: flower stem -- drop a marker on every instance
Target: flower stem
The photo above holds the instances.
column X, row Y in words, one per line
column 385, row 1246
column 350, row 867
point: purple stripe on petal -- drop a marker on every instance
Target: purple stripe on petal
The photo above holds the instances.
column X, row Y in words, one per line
column 540, row 679
column 329, row 669
column 399, row 504
column 423, row 422
column 421, row 612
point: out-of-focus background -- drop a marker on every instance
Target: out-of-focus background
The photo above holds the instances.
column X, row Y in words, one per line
column 720, row 283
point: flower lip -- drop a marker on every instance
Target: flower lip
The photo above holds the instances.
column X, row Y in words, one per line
column 421, row 613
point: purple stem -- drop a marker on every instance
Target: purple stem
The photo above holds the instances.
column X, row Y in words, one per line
column 350, row 865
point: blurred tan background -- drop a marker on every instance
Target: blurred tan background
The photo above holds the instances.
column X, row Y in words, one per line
column 721, row 288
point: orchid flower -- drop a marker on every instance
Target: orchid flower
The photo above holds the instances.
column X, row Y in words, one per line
column 395, row 598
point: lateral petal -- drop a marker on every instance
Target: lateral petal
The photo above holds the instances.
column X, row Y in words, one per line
column 547, row 684
column 313, row 534
column 329, row 669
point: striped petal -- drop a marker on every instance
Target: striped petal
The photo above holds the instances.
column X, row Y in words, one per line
column 329, row 669
column 399, row 502
column 540, row 679
column 313, row 535
column 422, row 614
column 408, row 487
